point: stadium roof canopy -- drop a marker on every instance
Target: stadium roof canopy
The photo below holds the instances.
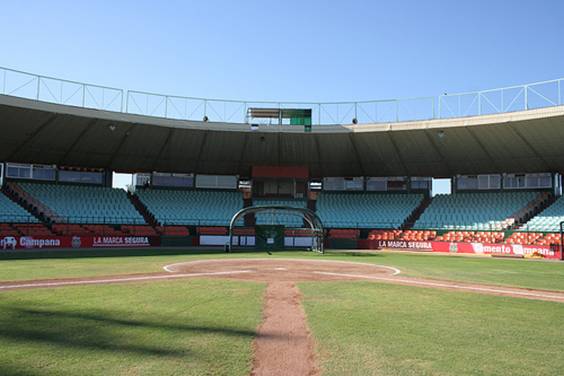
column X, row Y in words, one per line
column 37, row 131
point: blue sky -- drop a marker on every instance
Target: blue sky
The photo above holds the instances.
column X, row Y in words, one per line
column 288, row 50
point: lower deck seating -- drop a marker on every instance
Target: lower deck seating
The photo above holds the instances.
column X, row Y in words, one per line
column 191, row 207
column 366, row 210
column 482, row 211
column 86, row 204
column 472, row 236
column 536, row 238
column 287, row 219
column 384, row 234
column 416, row 235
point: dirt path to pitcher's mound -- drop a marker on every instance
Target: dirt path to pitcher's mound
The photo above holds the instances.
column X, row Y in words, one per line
column 283, row 346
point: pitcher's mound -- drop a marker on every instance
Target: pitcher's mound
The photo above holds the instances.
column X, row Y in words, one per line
column 282, row 269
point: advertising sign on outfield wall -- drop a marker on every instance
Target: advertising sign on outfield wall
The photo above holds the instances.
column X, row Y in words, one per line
column 472, row 248
column 41, row 242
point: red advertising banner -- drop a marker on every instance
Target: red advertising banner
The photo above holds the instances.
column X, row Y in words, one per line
column 49, row 242
column 472, row 248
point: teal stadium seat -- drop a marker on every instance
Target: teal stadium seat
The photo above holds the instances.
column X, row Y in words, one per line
column 366, row 210
column 548, row 220
column 86, row 204
column 476, row 211
column 282, row 218
column 191, row 207
column 10, row 212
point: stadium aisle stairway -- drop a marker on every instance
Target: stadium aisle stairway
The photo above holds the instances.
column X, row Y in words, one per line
column 366, row 210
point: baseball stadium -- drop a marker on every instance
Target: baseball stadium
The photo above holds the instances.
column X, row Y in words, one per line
column 270, row 237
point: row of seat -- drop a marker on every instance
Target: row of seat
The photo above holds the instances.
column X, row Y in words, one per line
column 10, row 212
column 472, row 237
column 407, row 235
column 86, row 204
column 549, row 219
column 476, row 211
column 479, row 213
column 198, row 208
column 366, row 210
column 287, row 219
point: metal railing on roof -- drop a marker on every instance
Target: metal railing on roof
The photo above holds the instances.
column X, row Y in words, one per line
column 485, row 102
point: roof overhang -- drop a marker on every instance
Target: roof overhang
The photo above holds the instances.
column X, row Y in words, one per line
column 40, row 132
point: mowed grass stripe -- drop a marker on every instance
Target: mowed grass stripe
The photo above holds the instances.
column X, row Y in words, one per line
column 189, row 327
column 376, row 329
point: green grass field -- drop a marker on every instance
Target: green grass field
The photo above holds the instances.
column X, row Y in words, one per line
column 373, row 329
column 196, row 327
column 206, row 327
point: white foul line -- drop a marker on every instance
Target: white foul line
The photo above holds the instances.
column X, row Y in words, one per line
column 125, row 279
column 170, row 268
column 446, row 285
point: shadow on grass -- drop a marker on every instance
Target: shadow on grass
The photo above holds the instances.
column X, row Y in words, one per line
column 103, row 332
column 12, row 370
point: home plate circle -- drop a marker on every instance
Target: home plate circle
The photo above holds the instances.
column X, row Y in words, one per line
column 282, row 270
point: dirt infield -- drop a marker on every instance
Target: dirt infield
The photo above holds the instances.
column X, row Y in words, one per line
column 289, row 270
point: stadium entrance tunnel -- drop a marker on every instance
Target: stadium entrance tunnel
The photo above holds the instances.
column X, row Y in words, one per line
column 272, row 236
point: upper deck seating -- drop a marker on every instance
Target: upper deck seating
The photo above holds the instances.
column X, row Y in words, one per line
column 287, row 219
column 366, row 210
column 191, row 207
column 10, row 212
column 549, row 219
column 477, row 211
column 86, row 204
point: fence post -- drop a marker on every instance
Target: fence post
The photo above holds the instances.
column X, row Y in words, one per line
column 166, row 106
column 38, row 87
